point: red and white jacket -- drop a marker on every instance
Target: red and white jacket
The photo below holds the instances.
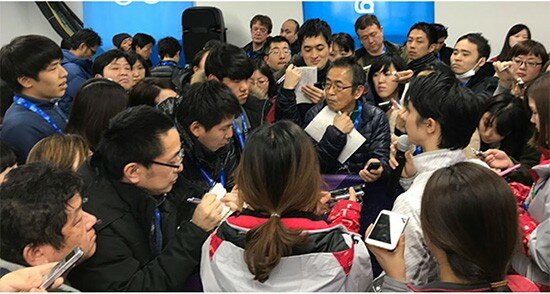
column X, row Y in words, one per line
column 334, row 258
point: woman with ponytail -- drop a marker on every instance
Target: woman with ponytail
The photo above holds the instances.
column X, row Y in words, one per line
column 281, row 242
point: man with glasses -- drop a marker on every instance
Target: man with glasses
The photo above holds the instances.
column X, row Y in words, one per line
column 277, row 55
column 77, row 61
column 260, row 29
column 140, row 245
column 344, row 87
column 371, row 34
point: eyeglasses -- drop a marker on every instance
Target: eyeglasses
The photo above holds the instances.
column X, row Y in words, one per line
column 260, row 29
column 277, row 51
column 258, row 82
column 337, row 88
column 530, row 64
column 180, row 155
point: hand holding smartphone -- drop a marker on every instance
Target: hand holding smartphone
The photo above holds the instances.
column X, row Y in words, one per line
column 62, row 267
column 387, row 229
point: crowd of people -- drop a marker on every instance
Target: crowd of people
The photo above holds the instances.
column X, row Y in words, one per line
column 210, row 176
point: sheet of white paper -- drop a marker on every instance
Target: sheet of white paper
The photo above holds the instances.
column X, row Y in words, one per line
column 317, row 127
column 309, row 76
column 220, row 191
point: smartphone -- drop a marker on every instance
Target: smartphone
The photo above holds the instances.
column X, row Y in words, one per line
column 385, row 106
column 319, row 86
column 373, row 166
column 343, row 194
column 479, row 154
column 62, row 267
column 387, row 229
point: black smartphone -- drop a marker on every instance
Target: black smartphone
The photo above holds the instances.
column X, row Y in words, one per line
column 343, row 194
column 319, row 86
column 385, row 106
column 373, row 166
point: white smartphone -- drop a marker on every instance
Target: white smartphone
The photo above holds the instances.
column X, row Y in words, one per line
column 387, row 229
column 60, row 268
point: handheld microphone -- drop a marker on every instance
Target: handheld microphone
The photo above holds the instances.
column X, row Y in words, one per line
column 403, row 145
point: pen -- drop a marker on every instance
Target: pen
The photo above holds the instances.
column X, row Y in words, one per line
column 509, row 170
column 194, row 200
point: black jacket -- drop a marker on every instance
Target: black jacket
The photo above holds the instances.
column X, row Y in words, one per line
column 363, row 57
column 373, row 125
column 483, row 83
column 190, row 182
column 124, row 259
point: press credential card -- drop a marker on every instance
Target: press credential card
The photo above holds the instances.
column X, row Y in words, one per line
column 317, row 127
column 309, row 76
column 220, row 191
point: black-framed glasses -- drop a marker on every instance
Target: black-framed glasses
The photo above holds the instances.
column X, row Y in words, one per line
column 180, row 155
column 337, row 88
column 285, row 51
column 531, row 64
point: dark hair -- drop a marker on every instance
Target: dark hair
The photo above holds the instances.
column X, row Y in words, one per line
column 86, row 36
column 133, row 57
column 511, row 118
column 530, row 47
column 538, row 92
column 263, row 68
column 441, row 30
column 7, row 156
column 145, row 92
column 168, row 47
column 107, row 57
column 383, row 63
column 264, row 20
column 6, row 98
column 365, row 21
column 278, row 173
column 314, row 27
column 33, row 202
column 141, row 40
column 133, row 135
column 65, row 44
column 469, row 212
column 276, row 39
column 228, row 61
column 344, row 40
column 439, row 96
column 357, row 73
column 211, row 43
column 197, row 58
column 97, row 101
column 506, row 48
column 428, row 29
column 26, row 56
column 295, row 23
column 207, row 103
column 119, row 38
column 482, row 44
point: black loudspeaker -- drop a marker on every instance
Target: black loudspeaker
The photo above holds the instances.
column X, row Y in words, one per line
column 199, row 25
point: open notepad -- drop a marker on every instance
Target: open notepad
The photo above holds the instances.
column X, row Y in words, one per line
column 317, row 127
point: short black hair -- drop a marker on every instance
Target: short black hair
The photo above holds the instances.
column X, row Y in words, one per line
column 107, row 57
column 86, row 36
column 530, row 47
column 344, row 40
column 276, row 39
column 7, row 156
column 26, row 56
column 428, row 29
column 145, row 92
column 313, row 28
column 133, row 135
column 33, row 202
column 365, row 21
column 439, row 95
column 383, row 63
column 141, row 40
column 228, row 61
column 357, row 73
column 264, row 20
column 133, row 57
column 207, row 103
column 441, row 30
column 483, row 47
column 168, row 47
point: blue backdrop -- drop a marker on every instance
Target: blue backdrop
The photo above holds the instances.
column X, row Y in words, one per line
column 159, row 20
column 395, row 17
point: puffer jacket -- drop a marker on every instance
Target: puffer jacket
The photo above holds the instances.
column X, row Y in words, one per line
column 78, row 71
column 373, row 125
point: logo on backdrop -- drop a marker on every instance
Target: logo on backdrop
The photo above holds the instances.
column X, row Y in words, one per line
column 364, row 6
column 127, row 2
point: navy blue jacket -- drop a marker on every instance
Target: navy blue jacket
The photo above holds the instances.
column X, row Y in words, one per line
column 22, row 128
column 78, row 71
column 373, row 125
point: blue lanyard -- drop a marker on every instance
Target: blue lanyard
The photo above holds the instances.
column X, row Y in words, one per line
column 157, row 232
column 241, row 134
column 32, row 107
column 168, row 62
column 209, row 179
column 533, row 193
column 358, row 118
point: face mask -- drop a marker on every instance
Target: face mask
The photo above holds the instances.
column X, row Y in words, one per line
column 469, row 73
